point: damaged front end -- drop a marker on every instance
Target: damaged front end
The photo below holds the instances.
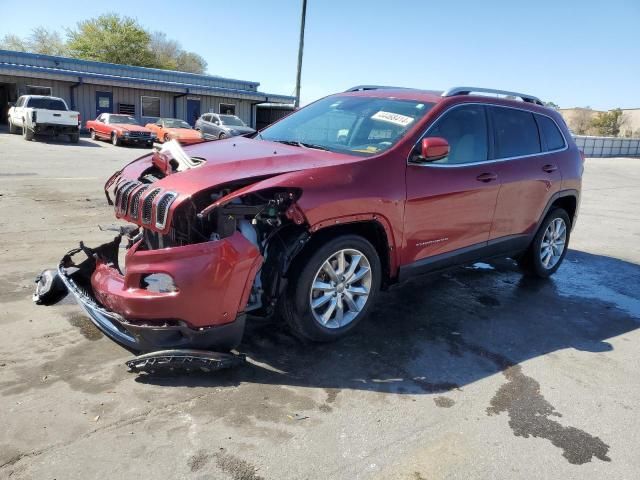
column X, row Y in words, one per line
column 195, row 263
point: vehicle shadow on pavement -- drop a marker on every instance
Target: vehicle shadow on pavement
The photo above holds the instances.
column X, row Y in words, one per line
column 439, row 333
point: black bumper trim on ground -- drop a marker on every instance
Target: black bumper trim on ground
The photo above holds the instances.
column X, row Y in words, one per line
column 148, row 338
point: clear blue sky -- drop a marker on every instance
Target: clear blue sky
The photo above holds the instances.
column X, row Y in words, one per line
column 575, row 53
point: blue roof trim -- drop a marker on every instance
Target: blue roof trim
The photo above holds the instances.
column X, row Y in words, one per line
column 255, row 95
column 131, row 68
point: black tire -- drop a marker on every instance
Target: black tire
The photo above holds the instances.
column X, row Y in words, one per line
column 92, row 132
column 115, row 140
column 530, row 261
column 295, row 304
column 166, row 138
column 222, row 136
column 74, row 137
column 12, row 128
column 27, row 133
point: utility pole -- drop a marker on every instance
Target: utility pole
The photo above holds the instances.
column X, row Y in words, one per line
column 300, row 49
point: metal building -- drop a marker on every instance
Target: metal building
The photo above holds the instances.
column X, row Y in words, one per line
column 93, row 88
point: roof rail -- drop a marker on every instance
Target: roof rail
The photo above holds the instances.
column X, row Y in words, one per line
column 361, row 88
column 468, row 90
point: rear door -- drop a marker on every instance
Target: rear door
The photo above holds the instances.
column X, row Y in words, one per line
column 450, row 202
column 527, row 166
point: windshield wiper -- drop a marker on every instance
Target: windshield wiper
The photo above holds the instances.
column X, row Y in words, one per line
column 302, row 144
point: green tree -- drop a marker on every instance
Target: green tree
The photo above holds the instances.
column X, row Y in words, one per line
column 13, row 42
column 170, row 55
column 111, row 38
column 608, row 123
column 40, row 40
column 191, row 62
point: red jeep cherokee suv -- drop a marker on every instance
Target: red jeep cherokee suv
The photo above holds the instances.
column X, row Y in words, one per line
column 317, row 212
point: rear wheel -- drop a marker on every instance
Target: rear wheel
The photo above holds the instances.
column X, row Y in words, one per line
column 74, row 137
column 549, row 246
column 12, row 128
column 333, row 289
column 27, row 133
column 92, row 132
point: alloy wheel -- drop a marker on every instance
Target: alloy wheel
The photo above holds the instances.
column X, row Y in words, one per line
column 553, row 243
column 340, row 288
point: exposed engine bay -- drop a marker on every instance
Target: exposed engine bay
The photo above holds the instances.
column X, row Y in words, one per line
column 268, row 218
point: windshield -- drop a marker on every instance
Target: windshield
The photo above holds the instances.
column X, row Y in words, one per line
column 175, row 123
column 355, row 125
column 47, row 104
column 231, row 120
column 123, row 119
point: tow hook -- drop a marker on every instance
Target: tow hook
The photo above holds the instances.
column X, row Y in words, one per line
column 184, row 361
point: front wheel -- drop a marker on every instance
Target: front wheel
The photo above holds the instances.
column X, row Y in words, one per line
column 549, row 246
column 115, row 140
column 222, row 136
column 333, row 289
column 93, row 134
column 74, row 137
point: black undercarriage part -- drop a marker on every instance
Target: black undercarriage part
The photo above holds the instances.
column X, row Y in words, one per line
column 50, row 288
column 184, row 361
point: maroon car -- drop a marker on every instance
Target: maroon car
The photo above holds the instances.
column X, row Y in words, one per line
column 315, row 214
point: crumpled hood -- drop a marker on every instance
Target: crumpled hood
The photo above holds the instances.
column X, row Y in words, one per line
column 235, row 159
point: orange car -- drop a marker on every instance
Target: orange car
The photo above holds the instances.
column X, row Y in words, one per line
column 172, row 128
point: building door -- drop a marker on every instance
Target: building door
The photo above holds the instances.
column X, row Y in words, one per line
column 104, row 103
column 193, row 110
column 8, row 93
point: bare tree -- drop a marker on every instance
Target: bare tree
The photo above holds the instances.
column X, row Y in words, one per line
column 13, row 42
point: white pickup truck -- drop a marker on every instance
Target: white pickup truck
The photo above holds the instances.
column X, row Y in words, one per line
column 36, row 114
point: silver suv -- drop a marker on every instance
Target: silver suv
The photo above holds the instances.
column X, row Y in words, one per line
column 218, row 126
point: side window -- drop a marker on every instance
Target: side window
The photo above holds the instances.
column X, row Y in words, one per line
column 552, row 137
column 206, row 118
column 465, row 128
column 20, row 102
column 516, row 132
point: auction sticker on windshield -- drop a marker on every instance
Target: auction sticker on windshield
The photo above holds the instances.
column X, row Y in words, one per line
column 394, row 118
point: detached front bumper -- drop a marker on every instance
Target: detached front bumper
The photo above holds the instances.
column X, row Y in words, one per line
column 213, row 281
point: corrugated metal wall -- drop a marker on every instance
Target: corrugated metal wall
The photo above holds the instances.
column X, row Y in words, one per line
column 85, row 98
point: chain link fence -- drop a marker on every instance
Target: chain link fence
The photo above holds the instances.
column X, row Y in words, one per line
column 608, row 146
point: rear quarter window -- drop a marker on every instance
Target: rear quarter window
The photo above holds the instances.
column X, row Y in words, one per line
column 47, row 104
column 516, row 132
column 551, row 136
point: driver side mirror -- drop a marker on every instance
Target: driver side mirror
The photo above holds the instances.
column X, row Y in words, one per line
column 432, row 149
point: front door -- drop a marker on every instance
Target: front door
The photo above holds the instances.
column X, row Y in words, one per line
column 193, row 111
column 104, row 103
column 451, row 202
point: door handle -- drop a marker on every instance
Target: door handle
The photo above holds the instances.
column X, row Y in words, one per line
column 487, row 177
column 549, row 168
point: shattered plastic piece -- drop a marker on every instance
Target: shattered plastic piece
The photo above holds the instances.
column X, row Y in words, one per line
column 184, row 360
column 50, row 288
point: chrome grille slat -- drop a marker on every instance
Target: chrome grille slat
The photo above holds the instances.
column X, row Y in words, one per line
column 162, row 208
column 135, row 201
column 124, row 198
column 147, row 206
